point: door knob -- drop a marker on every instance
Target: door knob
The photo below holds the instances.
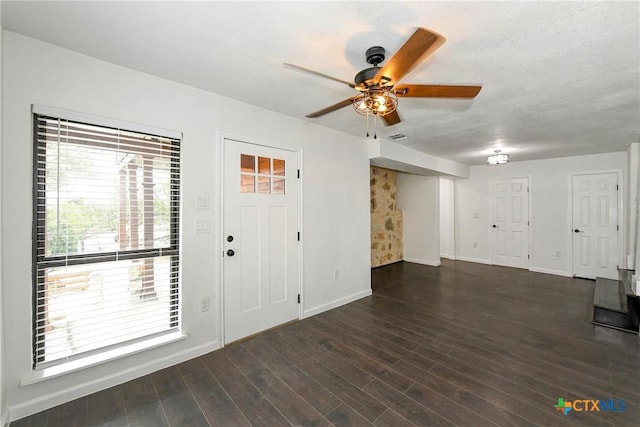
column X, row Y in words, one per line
column 577, row 231
column 230, row 252
column 229, row 238
column 494, row 226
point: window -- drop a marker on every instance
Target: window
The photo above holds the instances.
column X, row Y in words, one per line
column 266, row 172
column 106, row 221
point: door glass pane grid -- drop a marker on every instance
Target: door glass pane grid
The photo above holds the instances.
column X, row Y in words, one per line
column 262, row 175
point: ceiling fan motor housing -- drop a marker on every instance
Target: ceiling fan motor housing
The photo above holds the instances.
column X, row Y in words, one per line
column 375, row 55
column 362, row 79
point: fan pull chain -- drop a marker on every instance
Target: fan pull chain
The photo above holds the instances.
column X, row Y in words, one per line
column 367, row 125
column 375, row 129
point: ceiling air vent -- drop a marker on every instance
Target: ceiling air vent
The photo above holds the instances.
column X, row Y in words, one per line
column 398, row 137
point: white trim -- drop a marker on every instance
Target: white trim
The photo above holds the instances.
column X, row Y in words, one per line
column 620, row 206
column 220, row 248
column 103, row 121
column 432, row 263
column 47, row 373
column 476, row 260
column 447, row 256
column 41, row 403
column 301, row 241
column 337, row 303
column 4, row 421
column 550, row 271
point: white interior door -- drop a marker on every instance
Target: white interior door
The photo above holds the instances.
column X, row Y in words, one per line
column 510, row 226
column 595, row 225
column 261, row 278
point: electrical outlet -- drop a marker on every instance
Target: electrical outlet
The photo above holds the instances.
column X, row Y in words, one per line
column 205, row 303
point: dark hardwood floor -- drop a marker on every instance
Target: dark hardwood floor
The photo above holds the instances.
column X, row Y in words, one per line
column 462, row 344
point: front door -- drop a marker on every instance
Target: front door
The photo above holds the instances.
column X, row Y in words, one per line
column 260, row 223
column 595, row 225
column 510, row 225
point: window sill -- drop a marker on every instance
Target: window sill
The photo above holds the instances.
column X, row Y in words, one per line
column 43, row 374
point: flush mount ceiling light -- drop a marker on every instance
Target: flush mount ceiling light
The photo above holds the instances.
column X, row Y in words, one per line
column 497, row 159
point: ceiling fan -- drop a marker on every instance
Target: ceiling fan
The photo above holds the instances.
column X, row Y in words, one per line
column 378, row 86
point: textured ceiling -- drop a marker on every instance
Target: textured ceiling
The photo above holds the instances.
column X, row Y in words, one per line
column 559, row 78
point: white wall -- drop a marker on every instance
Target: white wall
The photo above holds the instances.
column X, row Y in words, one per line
column 394, row 156
column 550, row 196
column 335, row 202
column 419, row 200
column 447, row 218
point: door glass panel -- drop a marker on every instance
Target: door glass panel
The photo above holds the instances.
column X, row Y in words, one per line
column 278, row 167
column 247, row 163
column 264, row 185
column 264, row 165
column 262, row 175
column 278, row 186
column 247, row 183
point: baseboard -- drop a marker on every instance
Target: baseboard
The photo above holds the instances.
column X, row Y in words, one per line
column 41, row 403
column 477, row 260
column 334, row 304
column 424, row 262
column 447, row 256
column 550, row 271
column 4, row 420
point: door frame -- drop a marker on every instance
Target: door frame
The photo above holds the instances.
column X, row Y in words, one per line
column 620, row 206
column 221, row 137
column 492, row 207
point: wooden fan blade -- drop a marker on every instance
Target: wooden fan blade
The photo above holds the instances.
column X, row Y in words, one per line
column 420, row 45
column 391, row 118
column 306, row 70
column 437, row 91
column 331, row 108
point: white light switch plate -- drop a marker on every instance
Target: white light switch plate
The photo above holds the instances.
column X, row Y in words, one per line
column 203, row 202
column 203, row 226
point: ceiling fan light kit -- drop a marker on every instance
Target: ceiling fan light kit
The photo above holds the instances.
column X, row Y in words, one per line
column 498, row 158
column 377, row 96
column 375, row 102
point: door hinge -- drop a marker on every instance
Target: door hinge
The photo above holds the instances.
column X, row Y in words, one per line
column 298, row 236
column 617, row 187
column 528, row 223
column 527, row 189
column 298, row 173
column 528, row 256
column 298, row 298
column 617, row 228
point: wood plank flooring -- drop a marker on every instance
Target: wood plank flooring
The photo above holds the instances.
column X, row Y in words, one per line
column 462, row 344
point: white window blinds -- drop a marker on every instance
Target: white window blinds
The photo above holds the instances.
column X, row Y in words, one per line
column 106, row 222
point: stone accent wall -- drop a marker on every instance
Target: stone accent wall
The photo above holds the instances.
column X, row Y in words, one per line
column 386, row 220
